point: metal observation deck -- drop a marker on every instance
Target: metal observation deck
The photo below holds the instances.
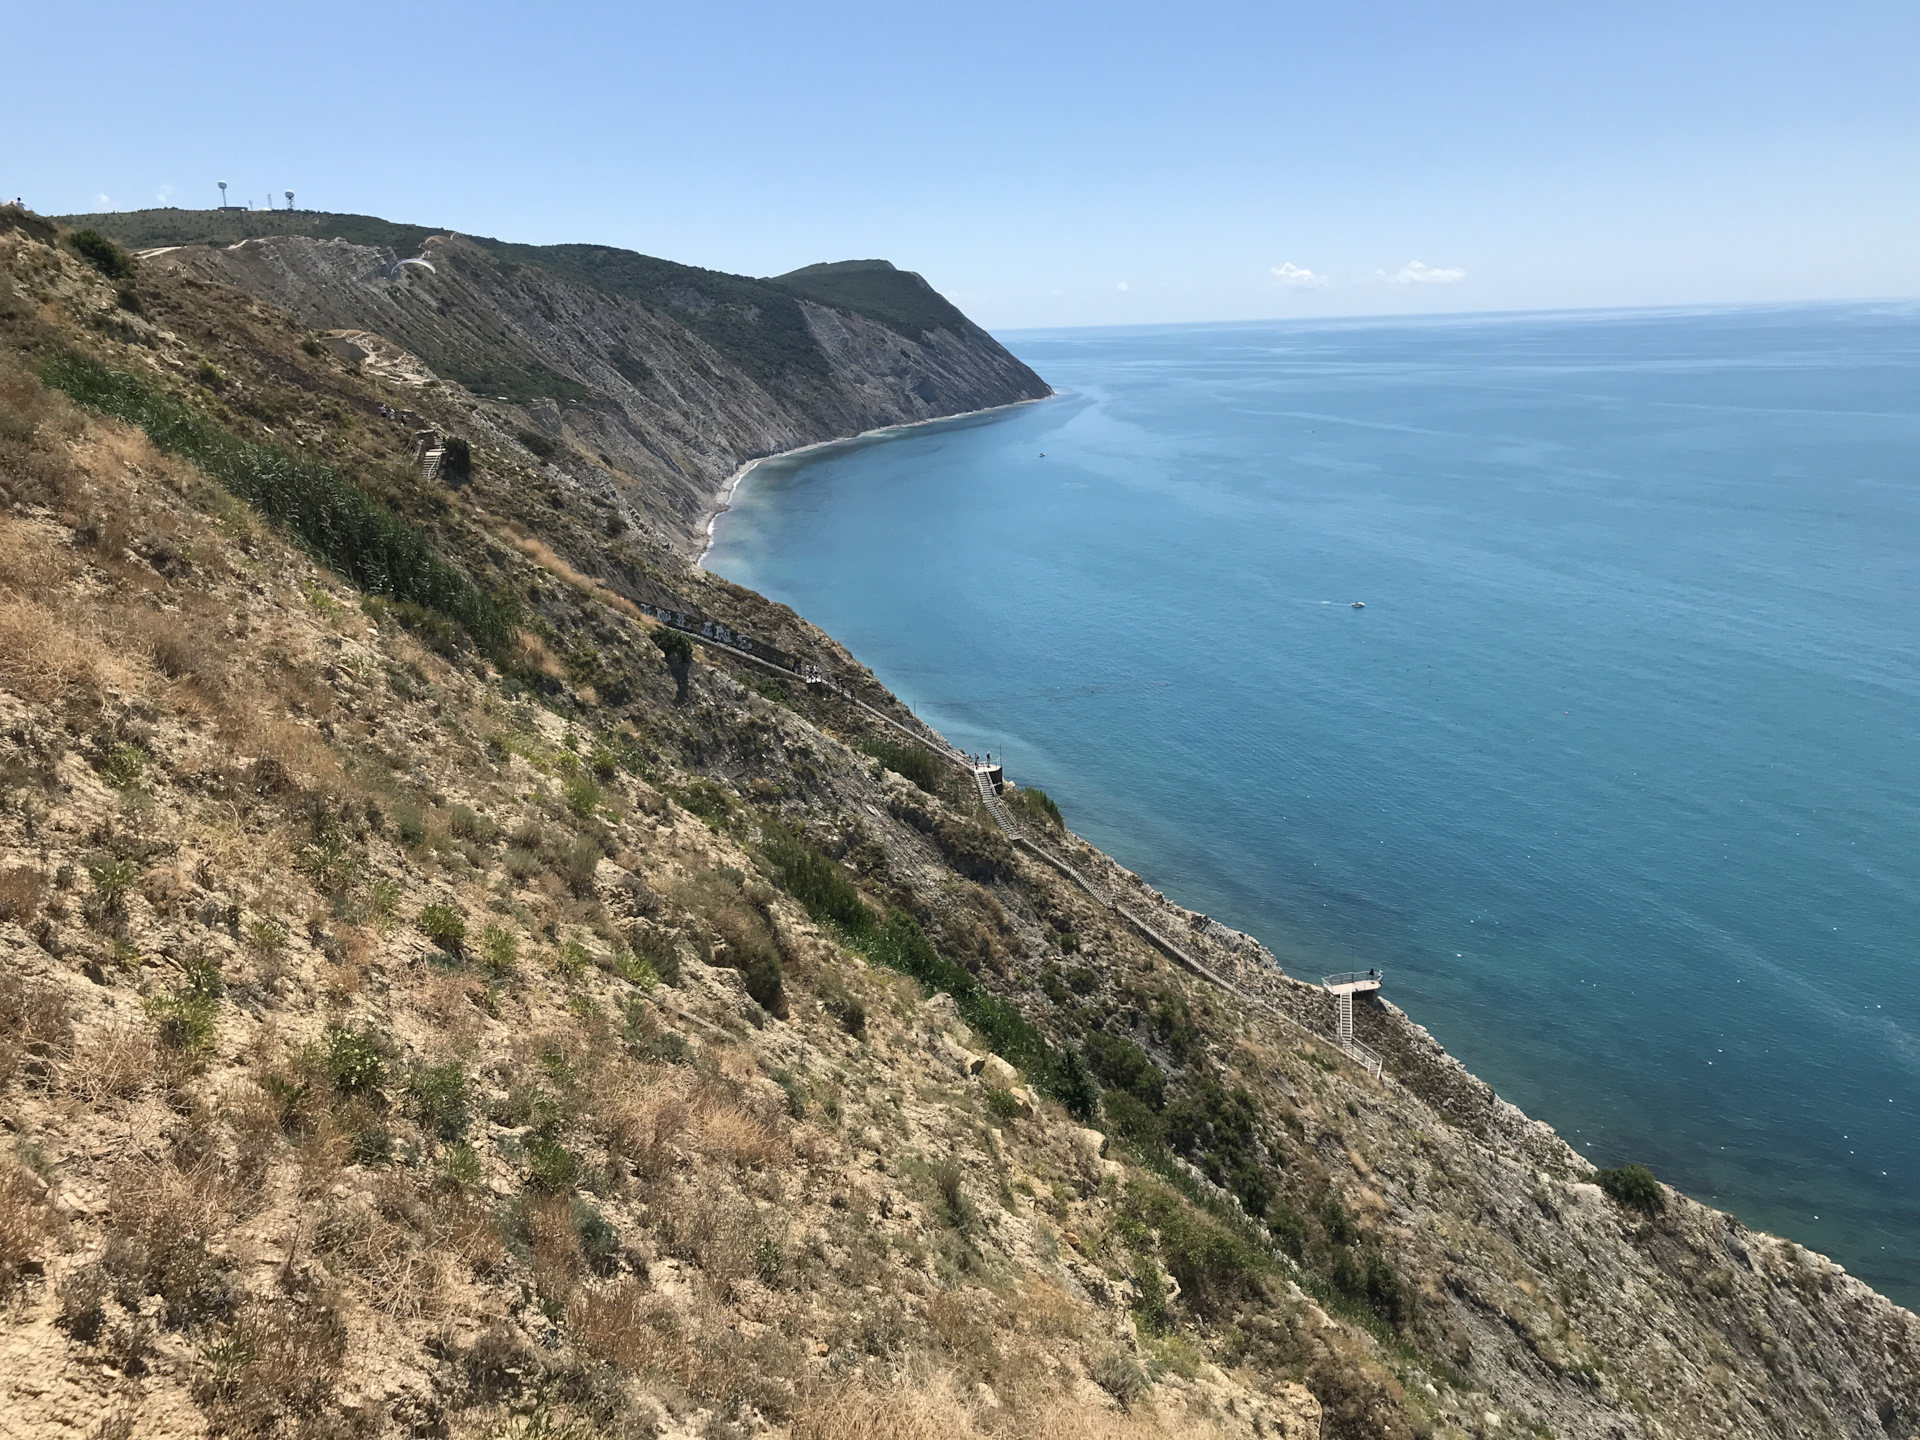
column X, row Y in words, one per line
column 1343, row 987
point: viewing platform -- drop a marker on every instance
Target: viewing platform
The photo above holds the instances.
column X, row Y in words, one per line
column 1343, row 987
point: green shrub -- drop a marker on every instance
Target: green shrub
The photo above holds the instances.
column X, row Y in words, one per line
column 675, row 646
column 796, row 1097
column 599, row 1240
column 1211, row 1262
column 1036, row 804
column 583, row 796
column 1288, row 1229
column 444, row 925
column 1130, row 1119
column 353, row 1060
column 437, row 1099
column 372, row 1145
column 817, row 882
column 903, row 757
column 1003, row 1105
column 573, row 961
column 101, row 253
column 1633, row 1187
column 551, row 1167
column 184, row 1020
column 658, row 953
column 844, row 1006
column 667, row 1047
column 1338, row 1224
column 459, row 1166
column 540, row 445
column 898, row 942
column 464, row 823
column 1217, row 1129
column 1122, row 1065
column 410, row 824
column 580, row 862
column 126, row 767
column 768, row 1263
column 499, row 951
column 112, row 879
column 337, row 521
column 766, row 982
column 634, row 969
column 956, row 1207
column 709, row 801
column 1150, row 1297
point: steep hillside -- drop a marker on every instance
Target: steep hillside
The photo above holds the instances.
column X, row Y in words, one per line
column 437, row 999
column 656, row 379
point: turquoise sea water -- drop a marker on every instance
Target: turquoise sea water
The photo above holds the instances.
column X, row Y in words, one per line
column 1616, row 773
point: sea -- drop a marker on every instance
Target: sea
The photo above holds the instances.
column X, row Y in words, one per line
column 1565, row 666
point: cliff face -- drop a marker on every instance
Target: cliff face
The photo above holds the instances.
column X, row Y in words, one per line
column 664, row 379
column 401, row 1037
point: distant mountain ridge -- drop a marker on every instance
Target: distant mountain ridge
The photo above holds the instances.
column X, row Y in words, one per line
column 666, row 377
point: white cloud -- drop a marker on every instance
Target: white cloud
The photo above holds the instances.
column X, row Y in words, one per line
column 1125, row 286
column 1415, row 273
column 1293, row 275
column 165, row 197
column 103, row 201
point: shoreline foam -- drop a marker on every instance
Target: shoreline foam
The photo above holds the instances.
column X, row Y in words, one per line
column 723, row 497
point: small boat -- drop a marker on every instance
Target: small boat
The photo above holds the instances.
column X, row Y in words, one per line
column 1359, row 604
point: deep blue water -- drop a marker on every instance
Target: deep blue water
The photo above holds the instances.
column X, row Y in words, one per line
column 1616, row 773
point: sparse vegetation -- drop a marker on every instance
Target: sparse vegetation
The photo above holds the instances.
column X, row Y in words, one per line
column 337, row 520
column 915, row 762
column 1632, row 1187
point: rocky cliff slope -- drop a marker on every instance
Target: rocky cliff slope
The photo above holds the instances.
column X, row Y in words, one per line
column 655, row 380
column 438, row 999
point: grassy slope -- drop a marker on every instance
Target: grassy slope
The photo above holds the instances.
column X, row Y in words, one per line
column 338, row 929
column 898, row 299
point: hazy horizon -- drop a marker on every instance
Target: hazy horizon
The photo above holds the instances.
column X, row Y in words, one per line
column 1069, row 166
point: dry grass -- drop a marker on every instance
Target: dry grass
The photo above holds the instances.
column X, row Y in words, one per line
column 43, row 654
column 933, row 1410
column 22, row 888
column 616, row 1325
column 736, row 1135
column 664, row 1110
column 713, row 1225
column 396, row 1269
column 34, row 1029
column 24, row 1223
column 114, row 1061
column 279, row 1360
column 164, row 1219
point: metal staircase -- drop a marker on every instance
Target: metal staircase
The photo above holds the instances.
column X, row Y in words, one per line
column 1343, row 987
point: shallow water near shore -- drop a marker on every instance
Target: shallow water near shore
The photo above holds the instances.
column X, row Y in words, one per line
column 1616, row 771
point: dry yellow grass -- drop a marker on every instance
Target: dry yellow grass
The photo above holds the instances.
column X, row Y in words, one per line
column 114, row 1061
column 933, row 1410
column 44, row 654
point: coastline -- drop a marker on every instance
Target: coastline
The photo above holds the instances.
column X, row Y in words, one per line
column 723, row 497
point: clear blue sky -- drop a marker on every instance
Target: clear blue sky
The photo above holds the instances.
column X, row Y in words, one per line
column 1042, row 164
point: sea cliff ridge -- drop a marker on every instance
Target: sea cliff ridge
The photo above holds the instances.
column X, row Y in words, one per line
column 469, row 971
